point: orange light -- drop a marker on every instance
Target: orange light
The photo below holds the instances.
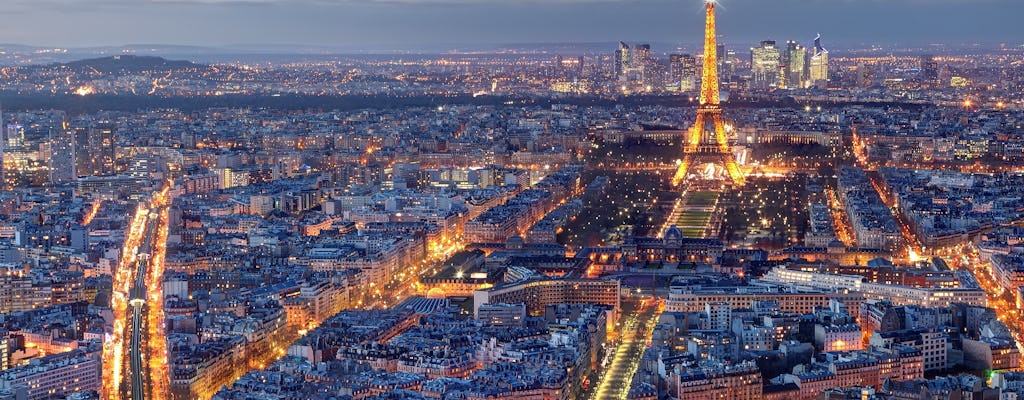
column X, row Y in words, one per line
column 85, row 91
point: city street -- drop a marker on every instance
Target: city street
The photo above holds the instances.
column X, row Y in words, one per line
column 636, row 334
column 999, row 298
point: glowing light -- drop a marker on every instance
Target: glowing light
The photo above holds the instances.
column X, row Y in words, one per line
column 85, row 91
column 914, row 256
column 968, row 103
column 91, row 213
column 115, row 348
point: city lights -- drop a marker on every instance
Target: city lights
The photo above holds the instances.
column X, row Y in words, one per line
column 752, row 217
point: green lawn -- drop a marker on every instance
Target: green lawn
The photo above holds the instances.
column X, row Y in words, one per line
column 693, row 233
column 693, row 223
column 701, row 199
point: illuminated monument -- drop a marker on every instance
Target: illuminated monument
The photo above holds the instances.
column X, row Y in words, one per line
column 699, row 147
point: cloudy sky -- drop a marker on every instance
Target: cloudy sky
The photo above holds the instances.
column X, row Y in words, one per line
column 436, row 24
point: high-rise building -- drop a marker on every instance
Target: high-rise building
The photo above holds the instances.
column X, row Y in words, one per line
column 726, row 67
column 15, row 136
column 641, row 55
column 95, row 149
column 818, row 65
column 929, row 69
column 80, row 136
column 644, row 66
column 60, row 162
column 103, row 142
column 683, row 72
column 62, row 155
column 623, row 61
column 764, row 64
column 795, row 65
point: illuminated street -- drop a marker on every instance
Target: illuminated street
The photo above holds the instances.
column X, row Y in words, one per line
column 511, row 200
column 137, row 302
column 94, row 208
column 635, row 335
column 999, row 299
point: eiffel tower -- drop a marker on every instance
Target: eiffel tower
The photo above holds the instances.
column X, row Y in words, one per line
column 697, row 150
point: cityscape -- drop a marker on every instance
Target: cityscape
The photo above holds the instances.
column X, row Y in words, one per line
column 683, row 218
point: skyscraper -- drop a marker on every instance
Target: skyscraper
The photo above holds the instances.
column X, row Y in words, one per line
column 94, row 149
column 642, row 55
column 764, row 64
column 683, row 71
column 80, row 137
column 726, row 67
column 642, row 63
column 623, row 62
column 795, row 65
column 929, row 70
column 818, row 71
column 62, row 155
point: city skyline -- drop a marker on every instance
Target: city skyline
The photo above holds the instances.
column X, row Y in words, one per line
column 439, row 25
column 345, row 204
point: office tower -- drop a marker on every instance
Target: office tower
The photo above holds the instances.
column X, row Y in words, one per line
column 643, row 64
column 929, row 69
column 94, row 149
column 683, row 71
column 62, row 155
column 764, row 64
column 15, row 136
column 623, row 61
column 725, row 64
column 103, row 142
column 795, row 63
column 641, row 56
column 80, row 137
column 818, row 71
column 642, row 60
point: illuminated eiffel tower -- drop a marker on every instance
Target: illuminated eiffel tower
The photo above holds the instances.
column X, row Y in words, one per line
column 697, row 150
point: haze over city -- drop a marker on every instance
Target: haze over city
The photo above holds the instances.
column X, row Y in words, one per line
column 439, row 25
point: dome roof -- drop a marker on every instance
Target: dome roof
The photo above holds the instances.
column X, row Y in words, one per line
column 673, row 232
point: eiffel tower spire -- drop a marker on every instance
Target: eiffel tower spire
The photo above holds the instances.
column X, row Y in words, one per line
column 709, row 92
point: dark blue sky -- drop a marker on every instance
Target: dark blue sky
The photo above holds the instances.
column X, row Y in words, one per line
column 440, row 24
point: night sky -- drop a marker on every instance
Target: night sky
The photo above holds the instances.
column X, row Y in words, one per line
column 429, row 25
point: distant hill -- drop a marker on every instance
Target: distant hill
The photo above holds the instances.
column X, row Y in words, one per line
column 131, row 64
